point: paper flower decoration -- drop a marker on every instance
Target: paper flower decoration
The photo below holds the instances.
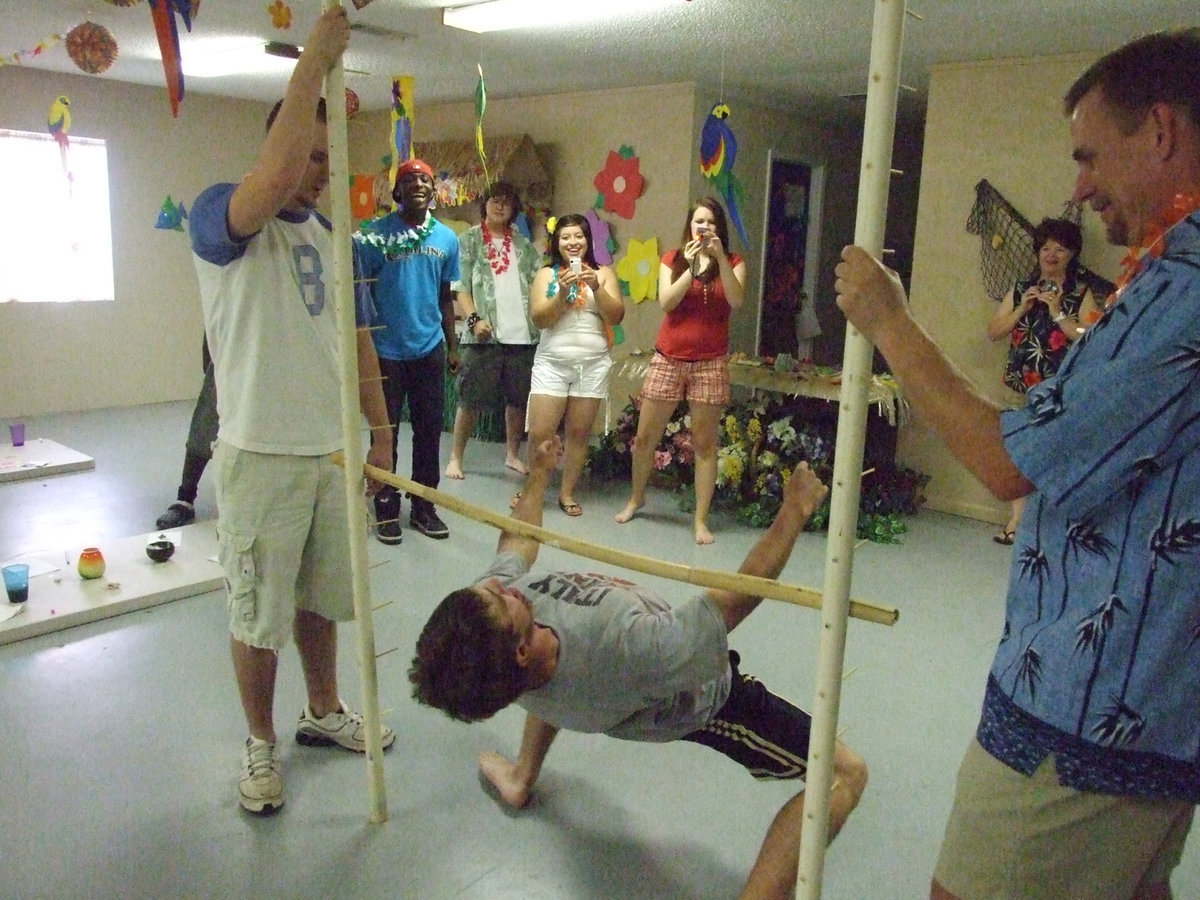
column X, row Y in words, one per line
column 639, row 269
column 91, row 47
column 351, row 103
column 281, row 14
column 362, row 196
column 602, row 241
column 620, row 182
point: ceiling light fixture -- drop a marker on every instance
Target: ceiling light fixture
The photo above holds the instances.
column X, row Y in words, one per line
column 236, row 56
column 502, row 15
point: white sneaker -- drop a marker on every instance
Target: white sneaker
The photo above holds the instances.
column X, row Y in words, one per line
column 344, row 727
column 260, row 789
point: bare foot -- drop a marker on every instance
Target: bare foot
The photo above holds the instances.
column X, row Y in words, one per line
column 704, row 536
column 502, row 775
column 514, row 463
column 627, row 513
column 454, row 469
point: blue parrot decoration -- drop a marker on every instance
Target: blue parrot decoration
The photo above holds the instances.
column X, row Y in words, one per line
column 718, row 151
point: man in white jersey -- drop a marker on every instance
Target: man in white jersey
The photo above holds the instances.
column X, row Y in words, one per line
column 262, row 257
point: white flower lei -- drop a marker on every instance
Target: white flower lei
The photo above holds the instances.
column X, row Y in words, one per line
column 394, row 243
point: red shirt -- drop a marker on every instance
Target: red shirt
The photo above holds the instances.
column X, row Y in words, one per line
column 698, row 328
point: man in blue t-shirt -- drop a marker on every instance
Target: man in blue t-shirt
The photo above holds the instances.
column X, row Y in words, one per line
column 408, row 260
column 1085, row 771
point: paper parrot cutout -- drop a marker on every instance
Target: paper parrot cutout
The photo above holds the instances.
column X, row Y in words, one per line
column 718, row 151
column 171, row 216
column 58, row 123
column 163, row 12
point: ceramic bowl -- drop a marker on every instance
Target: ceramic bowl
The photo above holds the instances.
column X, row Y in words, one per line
column 160, row 551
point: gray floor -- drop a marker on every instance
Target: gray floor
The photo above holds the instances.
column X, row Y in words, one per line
column 121, row 738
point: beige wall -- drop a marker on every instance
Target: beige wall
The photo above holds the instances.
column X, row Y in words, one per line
column 999, row 120
column 144, row 347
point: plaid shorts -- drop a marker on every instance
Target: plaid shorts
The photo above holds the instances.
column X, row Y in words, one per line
column 698, row 381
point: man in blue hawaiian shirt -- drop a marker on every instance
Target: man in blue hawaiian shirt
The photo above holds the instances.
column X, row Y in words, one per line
column 1085, row 771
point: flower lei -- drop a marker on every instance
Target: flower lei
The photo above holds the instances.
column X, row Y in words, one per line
column 499, row 266
column 573, row 298
column 396, row 243
column 1153, row 242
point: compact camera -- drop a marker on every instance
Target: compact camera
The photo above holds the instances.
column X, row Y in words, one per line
column 1047, row 286
column 576, row 265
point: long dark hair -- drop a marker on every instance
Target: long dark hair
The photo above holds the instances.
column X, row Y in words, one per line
column 713, row 205
column 554, row 254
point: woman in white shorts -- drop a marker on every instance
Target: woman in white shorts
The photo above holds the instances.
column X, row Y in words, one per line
column 575, row 302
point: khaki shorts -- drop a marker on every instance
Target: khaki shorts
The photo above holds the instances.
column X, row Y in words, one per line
column 283, row 542
column 1012, row 837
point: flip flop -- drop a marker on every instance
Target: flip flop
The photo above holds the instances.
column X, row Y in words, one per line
column 571, row 509
column 1004, row 537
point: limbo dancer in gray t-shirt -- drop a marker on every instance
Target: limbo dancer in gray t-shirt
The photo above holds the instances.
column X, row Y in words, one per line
column 593, row 653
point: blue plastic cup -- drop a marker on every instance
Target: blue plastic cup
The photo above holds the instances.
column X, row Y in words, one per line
column 16, row 582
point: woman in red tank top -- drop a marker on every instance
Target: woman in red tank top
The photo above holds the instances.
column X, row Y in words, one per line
column 699, row 287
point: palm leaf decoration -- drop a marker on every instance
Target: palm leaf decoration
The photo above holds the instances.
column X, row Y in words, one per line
column 1174, row 538
column 1119, row 725
column 1030, row 672
column 1093, row 629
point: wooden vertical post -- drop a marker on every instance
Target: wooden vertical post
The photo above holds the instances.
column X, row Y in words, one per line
column 343, row 288
column 878, row 133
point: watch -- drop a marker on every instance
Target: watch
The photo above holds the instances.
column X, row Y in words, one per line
column 472, row 321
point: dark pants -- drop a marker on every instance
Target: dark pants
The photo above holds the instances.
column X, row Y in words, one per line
column 422, row 382
column 758, row 730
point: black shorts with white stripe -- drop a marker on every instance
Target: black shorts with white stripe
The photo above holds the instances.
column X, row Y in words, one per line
column 764, row 733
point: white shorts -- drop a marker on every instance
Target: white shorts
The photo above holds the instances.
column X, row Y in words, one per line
column 283, row 541
column 556, row 377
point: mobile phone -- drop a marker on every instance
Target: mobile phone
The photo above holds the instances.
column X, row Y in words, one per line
column 576, row 265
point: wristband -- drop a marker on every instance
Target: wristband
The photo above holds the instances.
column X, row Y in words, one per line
column 472, row 321
column 1058, row 318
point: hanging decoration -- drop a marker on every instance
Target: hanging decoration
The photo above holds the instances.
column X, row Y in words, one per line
column 18, row 57
column 402, row 118
column 281, row 14
column 480, row 109
column 603, row 243
column 58, row 123
column 91, row 47
column 351, row 104
column 163, row 13
column 638, row 269
column 718, row 151
column 620, row 183
column 362, row 196
column 1006, row 245
column 171, row 215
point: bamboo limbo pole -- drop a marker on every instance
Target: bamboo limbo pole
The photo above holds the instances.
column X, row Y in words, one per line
column 878, row 133
column 343, row 286
column 647, row 565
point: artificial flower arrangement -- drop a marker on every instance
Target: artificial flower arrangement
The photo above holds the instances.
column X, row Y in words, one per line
column 761, row 443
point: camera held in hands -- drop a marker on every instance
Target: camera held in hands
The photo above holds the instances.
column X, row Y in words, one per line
column 1046, row 286
column 576, row 265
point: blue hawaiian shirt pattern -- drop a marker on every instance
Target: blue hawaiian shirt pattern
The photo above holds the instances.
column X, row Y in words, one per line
column 1099, row 662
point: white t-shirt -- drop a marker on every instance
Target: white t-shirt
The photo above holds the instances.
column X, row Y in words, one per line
column 269, row 317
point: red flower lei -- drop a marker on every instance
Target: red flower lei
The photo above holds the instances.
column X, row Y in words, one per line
column 1152, row 243
column 499, row 266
